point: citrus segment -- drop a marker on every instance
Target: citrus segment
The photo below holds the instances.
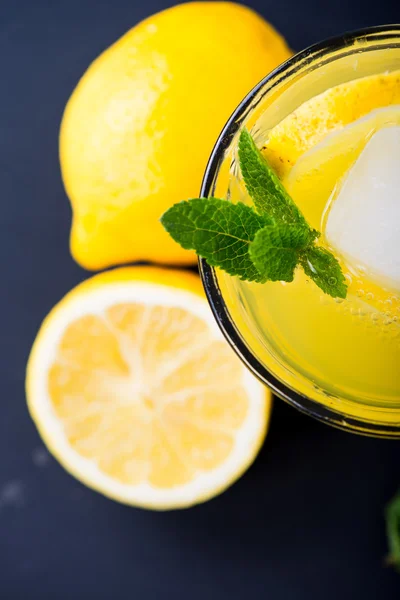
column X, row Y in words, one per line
column 320, row 170
column 325, row 113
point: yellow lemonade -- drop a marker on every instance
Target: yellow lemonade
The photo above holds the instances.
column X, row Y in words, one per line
column 343, row 355
column 350, row 347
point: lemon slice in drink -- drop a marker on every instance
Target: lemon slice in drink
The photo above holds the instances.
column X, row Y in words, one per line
column 314, row 181
column 325, row 113
column 319, row 171
column 136, row 393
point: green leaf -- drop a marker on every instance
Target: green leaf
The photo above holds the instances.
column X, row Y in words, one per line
column 219, row 231
column 392, row 514
column 264, row 186
column 255, row 246
column 322, row 267
column 275, row 250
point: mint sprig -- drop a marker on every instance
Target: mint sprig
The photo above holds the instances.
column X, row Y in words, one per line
column 392, row 515
column 265, row 243
column 323, row 268
column 264, row 186
column 219, row 231
column 275, row 250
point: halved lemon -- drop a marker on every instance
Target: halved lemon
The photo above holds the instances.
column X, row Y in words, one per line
column 136, row 393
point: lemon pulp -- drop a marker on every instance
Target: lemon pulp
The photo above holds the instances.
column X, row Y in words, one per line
column 137, row 394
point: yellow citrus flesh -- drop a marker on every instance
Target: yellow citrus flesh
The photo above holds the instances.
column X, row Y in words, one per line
column 319, row 142
column 139, row 128
column 328, row 112
column 136, row 393
column 319, row 172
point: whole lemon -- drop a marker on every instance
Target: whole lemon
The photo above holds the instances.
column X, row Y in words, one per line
column 139, row 127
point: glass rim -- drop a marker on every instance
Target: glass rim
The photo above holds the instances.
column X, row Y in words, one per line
column 221, row 313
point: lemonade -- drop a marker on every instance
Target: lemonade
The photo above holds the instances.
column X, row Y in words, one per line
column 329, row 123
column 350, row 347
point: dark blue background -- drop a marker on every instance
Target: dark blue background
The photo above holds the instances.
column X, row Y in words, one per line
column 305, row 522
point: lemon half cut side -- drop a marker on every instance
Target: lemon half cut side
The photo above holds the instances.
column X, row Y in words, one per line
column 136, row 393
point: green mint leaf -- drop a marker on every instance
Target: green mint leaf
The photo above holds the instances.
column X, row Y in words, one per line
column 219, row 231
column 392, row 515
column 255, row 246
column 264, row 186
column 322, row 267
column 275, row 250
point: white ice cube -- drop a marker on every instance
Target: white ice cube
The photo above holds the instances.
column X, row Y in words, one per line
column 363, row 223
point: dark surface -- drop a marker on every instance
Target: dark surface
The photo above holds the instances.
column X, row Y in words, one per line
column 305, row 522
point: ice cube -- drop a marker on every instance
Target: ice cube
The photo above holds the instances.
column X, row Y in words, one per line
column 363, row 223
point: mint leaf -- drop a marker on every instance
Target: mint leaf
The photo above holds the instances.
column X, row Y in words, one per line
column 275, row 250
column 219, row 231
column 322, row 267
column 264, row 186
column 392, row 514
column 255, row 246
